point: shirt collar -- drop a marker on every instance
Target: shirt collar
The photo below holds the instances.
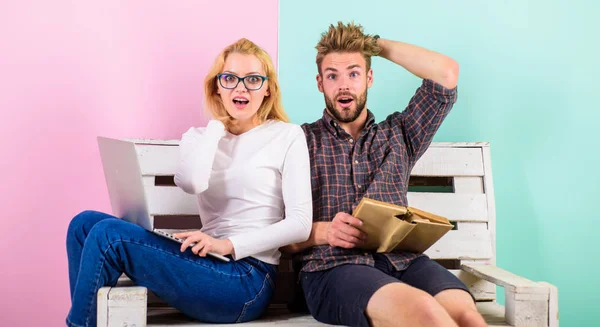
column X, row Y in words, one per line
column 333, row 125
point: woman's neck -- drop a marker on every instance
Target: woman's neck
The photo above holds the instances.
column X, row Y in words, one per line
column 242, row 126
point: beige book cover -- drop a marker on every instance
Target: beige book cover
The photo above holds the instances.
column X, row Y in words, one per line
column 391, row 227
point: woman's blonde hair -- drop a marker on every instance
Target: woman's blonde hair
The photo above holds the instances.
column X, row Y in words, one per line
column 271, row 107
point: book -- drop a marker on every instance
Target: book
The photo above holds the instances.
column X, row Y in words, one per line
column 391, row 227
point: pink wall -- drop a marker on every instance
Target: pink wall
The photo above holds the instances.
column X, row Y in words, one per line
column 73, row 70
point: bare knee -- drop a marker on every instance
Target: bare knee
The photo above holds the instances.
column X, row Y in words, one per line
column 470, row 318
column 401, row 305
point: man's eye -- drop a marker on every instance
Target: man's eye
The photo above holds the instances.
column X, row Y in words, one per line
column 353, row 74
column 331, row 76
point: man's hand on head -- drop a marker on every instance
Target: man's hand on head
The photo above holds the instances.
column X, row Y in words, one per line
column 343, row 231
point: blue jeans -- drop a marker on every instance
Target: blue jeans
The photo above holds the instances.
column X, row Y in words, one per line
column 101, row 247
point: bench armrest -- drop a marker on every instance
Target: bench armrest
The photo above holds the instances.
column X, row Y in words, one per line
column 527, row 303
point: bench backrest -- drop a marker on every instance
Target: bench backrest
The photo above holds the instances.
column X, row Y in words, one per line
column 453, row 180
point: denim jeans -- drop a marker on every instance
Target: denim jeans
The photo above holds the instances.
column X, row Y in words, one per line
column 101, row 247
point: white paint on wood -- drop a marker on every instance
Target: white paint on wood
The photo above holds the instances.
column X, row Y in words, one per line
column 458, row 244
column 493, row 313
column 506, row 279
column 158, row 160
column 148, row 181
column 481, row 289
column 553, row 313
column 153, row 141
column 472, row 226
column 455, row 207
column 459, row 144
column 127, row 306
column 525, row 313
column 488, row 188
column 170, row 200
column 473, row 185
column 450, row 162
column 102, row 307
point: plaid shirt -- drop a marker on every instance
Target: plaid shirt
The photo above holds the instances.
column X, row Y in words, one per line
column 377, row 165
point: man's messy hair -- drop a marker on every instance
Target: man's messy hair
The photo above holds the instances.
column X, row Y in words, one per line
column 347, row 38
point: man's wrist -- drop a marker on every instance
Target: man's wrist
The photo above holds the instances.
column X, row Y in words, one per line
column 320, row 233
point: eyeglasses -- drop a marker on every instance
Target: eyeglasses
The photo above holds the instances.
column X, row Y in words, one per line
column 251, row 82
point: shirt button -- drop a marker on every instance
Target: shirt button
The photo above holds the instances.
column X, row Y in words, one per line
column 356, row 162
column 359, row 186
column 351, row 141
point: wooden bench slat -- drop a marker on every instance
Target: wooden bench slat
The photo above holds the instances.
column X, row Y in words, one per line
column 450, row 162
column 506, row 279
column 481, row 289
column 158, row 160
column 454, row 206
column 457, row 244
column 169, row 200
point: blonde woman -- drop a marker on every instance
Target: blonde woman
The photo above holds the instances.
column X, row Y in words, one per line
column 249, row 169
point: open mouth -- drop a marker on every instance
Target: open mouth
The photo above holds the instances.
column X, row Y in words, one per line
column 240, row 102
column 345, row 101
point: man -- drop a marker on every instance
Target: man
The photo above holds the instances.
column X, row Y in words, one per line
column 353, row 157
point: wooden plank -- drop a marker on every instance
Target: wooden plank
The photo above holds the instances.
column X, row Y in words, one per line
column 472, row 226
column 102, row 307
column 493, row 313
column 152, row 141
column 458, row 144
column 127, row 306
column 488, row 186
column 481, row 289
column 450, row 162
column 506, row 279
column 531, row 311
column 458, row 244
column 553, row 314
column 169, row 200
column 158, row 160
column 468, row 185
column 455, row 207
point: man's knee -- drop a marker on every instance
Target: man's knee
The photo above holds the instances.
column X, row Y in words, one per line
column 470, row 318
column 400, row 302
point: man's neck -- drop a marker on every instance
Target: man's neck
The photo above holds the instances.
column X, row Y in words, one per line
column 354, row 128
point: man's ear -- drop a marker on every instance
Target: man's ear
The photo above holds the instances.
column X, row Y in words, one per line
column 370, row 78
column 320, row 83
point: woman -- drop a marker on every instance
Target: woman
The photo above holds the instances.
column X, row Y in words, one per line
column 249, row 169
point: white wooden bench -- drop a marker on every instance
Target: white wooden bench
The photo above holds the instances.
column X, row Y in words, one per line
column 451, row 179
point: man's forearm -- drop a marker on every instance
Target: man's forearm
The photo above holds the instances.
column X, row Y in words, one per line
column 423, row 63
column 318, row 236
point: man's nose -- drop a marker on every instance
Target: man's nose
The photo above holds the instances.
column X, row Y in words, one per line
column 343, row 84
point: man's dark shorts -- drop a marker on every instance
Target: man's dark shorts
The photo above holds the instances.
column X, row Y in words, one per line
column 339, row 296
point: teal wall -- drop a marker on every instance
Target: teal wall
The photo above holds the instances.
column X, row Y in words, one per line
column 528, row 84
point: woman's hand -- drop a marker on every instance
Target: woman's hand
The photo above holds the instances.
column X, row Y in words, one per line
column 204, row 243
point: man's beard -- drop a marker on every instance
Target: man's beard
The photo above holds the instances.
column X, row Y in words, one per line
column 346, row 115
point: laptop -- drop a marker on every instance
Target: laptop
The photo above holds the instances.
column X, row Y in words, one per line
column 126, row 189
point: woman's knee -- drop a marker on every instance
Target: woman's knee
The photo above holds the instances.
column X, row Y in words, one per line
column 85, row 221
column 110, row 228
